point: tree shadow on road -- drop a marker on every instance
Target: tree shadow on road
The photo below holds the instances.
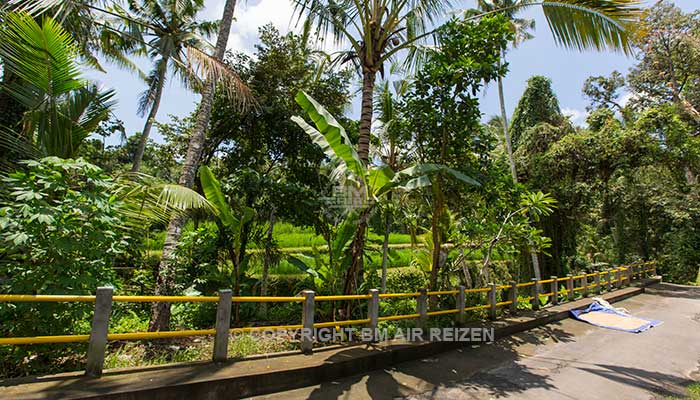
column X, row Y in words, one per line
column 671, row 290
column 652, row 381
column 491, row 369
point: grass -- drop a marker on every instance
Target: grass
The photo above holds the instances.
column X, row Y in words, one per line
column 693, row 393
column 140, row 354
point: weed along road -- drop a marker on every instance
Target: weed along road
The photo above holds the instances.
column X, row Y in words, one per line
column 564, row 360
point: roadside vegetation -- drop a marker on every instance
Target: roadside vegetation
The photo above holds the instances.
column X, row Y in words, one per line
column 269, row 187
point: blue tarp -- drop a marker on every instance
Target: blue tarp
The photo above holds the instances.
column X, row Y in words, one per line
column 595, row 306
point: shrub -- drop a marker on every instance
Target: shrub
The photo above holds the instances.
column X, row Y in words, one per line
column 59, row 234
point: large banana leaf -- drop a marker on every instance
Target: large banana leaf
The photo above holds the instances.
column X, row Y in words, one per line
column 379, row 177
column 345, row 233
column 330, row 135
column 213, row 193
column 418, row 176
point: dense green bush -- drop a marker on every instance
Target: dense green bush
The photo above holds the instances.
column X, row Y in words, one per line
column 59, row 234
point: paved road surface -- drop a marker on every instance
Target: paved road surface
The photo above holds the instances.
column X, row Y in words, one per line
column 565, row 360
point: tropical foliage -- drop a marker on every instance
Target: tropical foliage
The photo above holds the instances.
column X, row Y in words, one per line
column 272, row 185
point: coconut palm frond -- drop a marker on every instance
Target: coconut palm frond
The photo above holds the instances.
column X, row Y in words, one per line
column 592, row 24
column 147, row 201
column 217, row 71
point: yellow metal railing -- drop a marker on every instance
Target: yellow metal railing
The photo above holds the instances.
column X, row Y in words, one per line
column 639, row 269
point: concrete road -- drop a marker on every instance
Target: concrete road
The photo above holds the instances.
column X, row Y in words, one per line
column 565, row 360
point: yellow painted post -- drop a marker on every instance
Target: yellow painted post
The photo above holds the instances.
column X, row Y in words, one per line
column 555, row 290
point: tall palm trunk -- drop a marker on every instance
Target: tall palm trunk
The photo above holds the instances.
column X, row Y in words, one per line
column 366, row 115
column 506, row 132
column 138, row 157
column 165, row 283
column 385, row 249
column 354, row 273
column 267, row 262
column 511, row 161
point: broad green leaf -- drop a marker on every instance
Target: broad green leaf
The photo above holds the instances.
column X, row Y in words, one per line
column 378, row 178
column 297, row 261
column 212, row 191
column 332, row 131
column 345, row 233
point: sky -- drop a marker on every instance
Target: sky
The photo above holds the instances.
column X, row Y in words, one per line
column 567, row 69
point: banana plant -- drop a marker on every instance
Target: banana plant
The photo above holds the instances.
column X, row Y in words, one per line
column 230, row 225
column 372, row 183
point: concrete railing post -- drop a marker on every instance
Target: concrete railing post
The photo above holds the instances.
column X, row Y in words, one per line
column 628, row 276
column 307, row 321
column 536, row 294
column 608, row 281
column 492, row 301
column 422, row 308
column 223, row 325
column 555, row 290
column 461, row 317
column 99, row 331
column 653, row 266
column 513, row 296
column 373, row 312
column 569, row 287
column 618, row 278
column 597, row 282
column 584, row 283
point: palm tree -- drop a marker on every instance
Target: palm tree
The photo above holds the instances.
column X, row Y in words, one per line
column 168, row 30
column 596, row 25
column 575, row 24
column 165, row 284
column 390, row 151
column 376, row 31
column 379, row 29
column 521, row 28
column 62, row 109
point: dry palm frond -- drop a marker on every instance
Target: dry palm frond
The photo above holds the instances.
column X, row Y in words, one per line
column 202, row 64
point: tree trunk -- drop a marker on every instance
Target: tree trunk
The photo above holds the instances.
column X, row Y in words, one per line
column 511, row 160
column 437, row 239
column 165, row 283
column 138, row 156
column 506, row 132
column 366, row 115
column 385, row 251
column 11, row 110
column 267, row 262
